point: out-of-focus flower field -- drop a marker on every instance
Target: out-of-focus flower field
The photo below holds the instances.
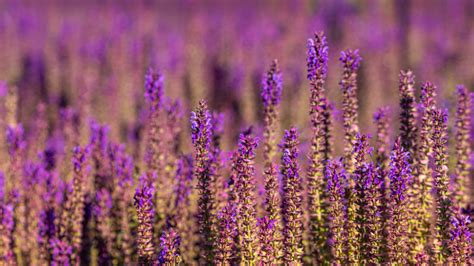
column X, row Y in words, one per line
column 331, row 132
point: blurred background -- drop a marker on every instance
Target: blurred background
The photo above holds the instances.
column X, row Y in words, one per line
column 90, row 57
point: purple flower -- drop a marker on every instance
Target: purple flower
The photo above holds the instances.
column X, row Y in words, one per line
column 400, row 176
column 408, row 129
column 6, row 234
column 266, row 236
column 154, row 89
column 350, row 60
column 292, row 212
column 461, row 240
column 145, row 212
column 272, row 86
column 76, row 201
column 170, row 248
column 441, row 181
column 15, row 140
column 463, row 148
column 244, row 166
column 62, row 252
column 227, row 232
column 201, row 130
column 320, row 147
column 336, row 175
column 317, row 58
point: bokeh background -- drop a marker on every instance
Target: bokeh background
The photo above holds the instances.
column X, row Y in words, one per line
column 91, row 56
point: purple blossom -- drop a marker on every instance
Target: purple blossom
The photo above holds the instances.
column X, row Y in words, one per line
column 317, row 57
column 461, row 240
column 170, row 248
column 272, row 86
column 144, row 205
column 400, row 176
column 154, row 89
column 336, row 175
column 292, row 212
column 350, row 60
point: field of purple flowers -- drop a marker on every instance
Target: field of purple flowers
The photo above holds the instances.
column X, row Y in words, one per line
column 329, row 132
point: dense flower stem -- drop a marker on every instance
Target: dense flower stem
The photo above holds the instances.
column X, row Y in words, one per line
column 350, row 60
column 75, row 204
column 170, row 253
column 292, row 200
column 408, row 128
column 335, row 175
column 400, row 176
column 247, row 220
column 422, row 184
column 444, row 208
column 143, row 201
column 227, row 232
column 266, row 235
column 461, row 241
column 271, row 96
column 155, row 157
column 463, row 149
column 320, row 148
column 204, row 174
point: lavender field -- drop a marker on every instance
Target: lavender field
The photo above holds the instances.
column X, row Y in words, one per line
column 306, row 132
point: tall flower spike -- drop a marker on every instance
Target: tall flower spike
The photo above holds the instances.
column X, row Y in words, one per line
column 75, row 204
column 400, row 175
column 154, row 89
column 246, row 192
column 266, row 236
column 156, row 150
column 408, row 129
column 292, row 199
column 335, row 175
column 6, row 232
column 170, row 248
column 227, row 232
column 143, row 201
column 463, row 148
column 422, row 185
column 444, row 206
column 271, row 97
column 350, row 60
column 320, row 148
column 204, row 174
column 461, row 241
column 62, row 252
column 382, row 142
column 368, row 219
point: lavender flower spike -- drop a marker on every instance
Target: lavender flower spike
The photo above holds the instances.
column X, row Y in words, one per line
column 266, row 236
column 154, row 89
column 444, row 208
column 350, row 60
column 246, row 192
column 144, row 205
column 201, row 130
column 422, row 185
column 292, row 199
column 408, row 129
column 335, row 175
column 75, row 205
column 170, row 252
column 6, row 231
column 400, row 175
column 320, row 148
column 227, row 225
column 463, row 148
column 271, row 96
column 461, row 241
